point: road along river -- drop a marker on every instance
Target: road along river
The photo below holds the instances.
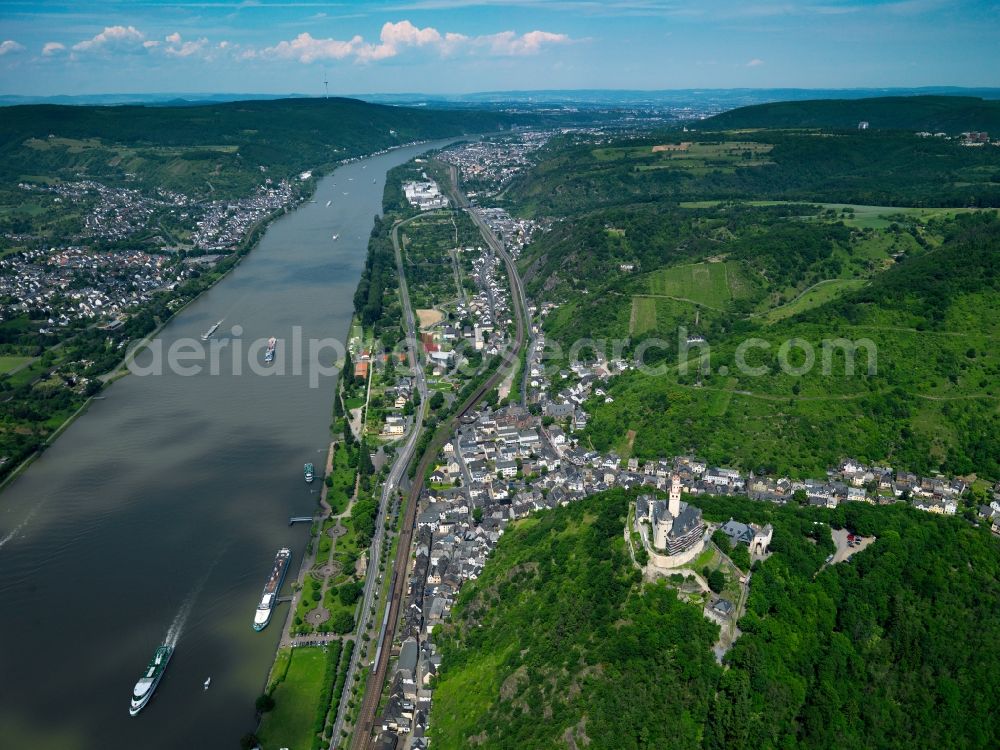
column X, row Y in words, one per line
column 156, row 515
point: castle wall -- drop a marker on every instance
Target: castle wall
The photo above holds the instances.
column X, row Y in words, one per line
column 659, row 560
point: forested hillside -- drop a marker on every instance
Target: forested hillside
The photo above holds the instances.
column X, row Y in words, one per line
column 558, row 644
column 553, row 646
column 929, row 401
column 949, row 114
column 183, row 147
column 779, row 236
column 868, row 168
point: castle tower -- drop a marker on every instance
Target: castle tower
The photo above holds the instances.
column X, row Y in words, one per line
column 674, row 504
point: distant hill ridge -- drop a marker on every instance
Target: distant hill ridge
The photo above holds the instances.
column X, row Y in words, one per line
column 948, row 114
column 197, row 123
column 215, row 148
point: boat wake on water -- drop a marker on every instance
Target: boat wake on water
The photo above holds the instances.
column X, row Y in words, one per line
column 151, row 676
column 17, row 529
column 177, row 626
column 180, row 619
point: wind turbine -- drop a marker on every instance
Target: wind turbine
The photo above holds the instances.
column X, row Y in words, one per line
column 326, row 87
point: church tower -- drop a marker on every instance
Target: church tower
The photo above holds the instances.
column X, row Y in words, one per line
column 674, row 504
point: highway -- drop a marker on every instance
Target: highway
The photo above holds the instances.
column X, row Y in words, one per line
column 369, row 707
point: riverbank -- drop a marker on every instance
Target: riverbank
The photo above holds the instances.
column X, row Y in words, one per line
column 120, row 370
column 21, row 467
column 250, row 242
column 179, row 458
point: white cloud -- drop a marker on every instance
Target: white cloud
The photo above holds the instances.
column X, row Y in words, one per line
column 9, row 47
column 510, row 44
column 397, row 37
column 394, row 39
column 113, row 37
column 306, row 48
column 177, row 47
column 755, row 63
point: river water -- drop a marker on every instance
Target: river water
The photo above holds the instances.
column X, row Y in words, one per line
column 158, row 513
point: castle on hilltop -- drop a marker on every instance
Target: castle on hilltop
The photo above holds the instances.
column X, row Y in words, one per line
column 671, row 531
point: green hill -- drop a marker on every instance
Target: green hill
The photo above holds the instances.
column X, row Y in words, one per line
column 778, row 235
column 558, row 643
column 930, row 402
column 948, row 114
column 187, row 148
column 881, row 168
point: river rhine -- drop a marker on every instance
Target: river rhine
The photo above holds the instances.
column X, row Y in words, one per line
column 162, row 507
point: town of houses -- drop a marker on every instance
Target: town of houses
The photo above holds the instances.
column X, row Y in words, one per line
column 482, row 324
column 80, row 280
column 74, row 283
column 494, row 163
column 505, row 463
column 223, row 224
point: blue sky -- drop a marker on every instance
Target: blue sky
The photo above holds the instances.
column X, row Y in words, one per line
column 452, row 46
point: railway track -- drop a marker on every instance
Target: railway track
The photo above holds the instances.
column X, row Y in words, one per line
column 365, row 723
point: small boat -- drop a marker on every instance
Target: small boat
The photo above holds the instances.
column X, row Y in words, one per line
column 328, row 203
column 208, row 681
column 308, row 472
column 269, row 353
column 208, row 334
column 336, row 237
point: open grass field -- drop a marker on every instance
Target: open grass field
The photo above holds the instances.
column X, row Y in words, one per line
column 9, row 363
column 643, row 315
column 709, row 284
column 880, row 217
column 692, row 151
column 814, row 297
column 296, row 701
column 429, row 317
column 466, row 695
column 695, row 158
column 857, row 215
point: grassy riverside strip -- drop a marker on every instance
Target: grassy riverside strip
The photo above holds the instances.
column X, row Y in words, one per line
column 297, row 696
